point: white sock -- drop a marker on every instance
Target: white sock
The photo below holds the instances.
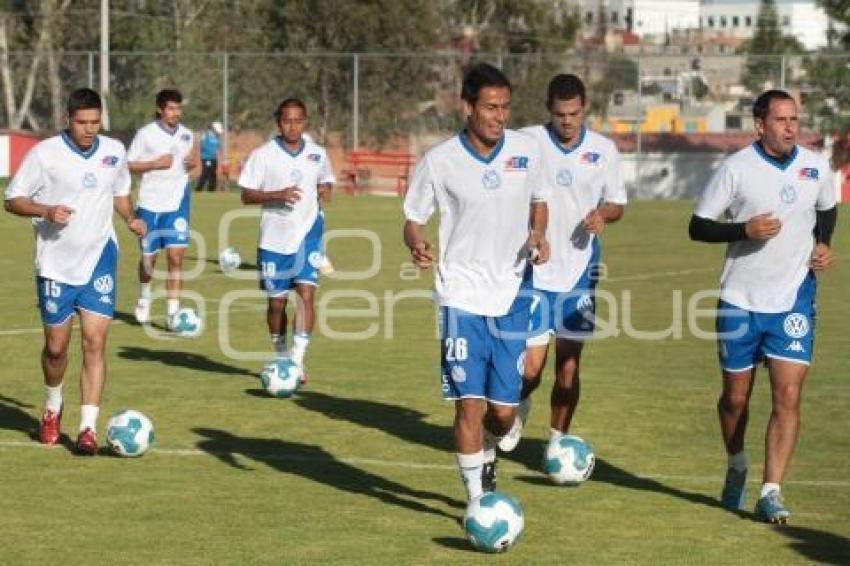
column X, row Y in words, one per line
column 471, row 466
column 88, row 417
column 54, row 398
column 554, row 435
column 299, row 347
column 279, row 344
column 173, row 305
column 768, row 487
column 738, row 461
column 145, row 292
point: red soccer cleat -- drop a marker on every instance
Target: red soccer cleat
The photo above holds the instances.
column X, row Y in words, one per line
column 48, row 428
column 87, row 443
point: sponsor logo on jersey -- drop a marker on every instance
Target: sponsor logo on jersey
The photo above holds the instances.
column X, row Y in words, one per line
column 564, row 177
column 314, row 157
column 109, row 161
column 809, row 173
column 89, row 180
column 788, row 194
column 590, row 158
column 796, row 325
column 185, row 137
column 104, row 284
column 516, row 163
column 491, row 180
column 795, row 346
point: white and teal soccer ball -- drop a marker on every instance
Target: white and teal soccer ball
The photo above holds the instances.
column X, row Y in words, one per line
column 569, row 460
column 229, row 260
column 493, row 522
column 281, row 378
column 129, row 433
column 186, row 323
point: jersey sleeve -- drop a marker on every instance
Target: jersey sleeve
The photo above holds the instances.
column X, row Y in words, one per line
column 717, row 196
column 614, row 190
column 536, row 179
column 251, row 176
column 326, row 172
column 121, row 185
column 421, row 198
column 826, row 190
column 137, row 147
column 29, row 179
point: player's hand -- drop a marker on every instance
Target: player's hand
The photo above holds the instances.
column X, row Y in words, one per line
column 138, row 227
column 289, row 195
column 763, row 227
column 324, row 193
column 821, row 257
column 594, row 222
column 163, row 161
column 422, row 254
column 189, row 163
column 538, row 249
column 59, row 214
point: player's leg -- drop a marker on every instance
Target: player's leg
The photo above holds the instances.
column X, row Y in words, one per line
column 54, row 362
column 94, row 328
column 276, row 322
column 149, row 245
column 469, row 413
column 174, row 281
column 303, row 322
column 566, row 389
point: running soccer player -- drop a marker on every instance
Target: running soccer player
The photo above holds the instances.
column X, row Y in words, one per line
column 285, row 176
column 162, row 153
column 583, row 169
column 487, row 184
column 69, row 185
column 779, row 199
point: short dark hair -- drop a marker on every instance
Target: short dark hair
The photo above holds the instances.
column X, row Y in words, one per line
column 565, row 87
column 761, row 107
column 481, row 76
column 289, row 103
column 167, row 95
column 83, row 99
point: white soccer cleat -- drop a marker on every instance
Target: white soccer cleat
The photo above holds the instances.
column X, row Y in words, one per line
column 508, row 442
column 326, row 267
column 143, row 311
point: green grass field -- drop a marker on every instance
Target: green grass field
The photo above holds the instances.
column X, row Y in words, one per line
column 359, row 466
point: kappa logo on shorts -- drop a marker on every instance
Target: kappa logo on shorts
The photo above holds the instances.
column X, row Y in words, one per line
column 458, row 374
column 796, row 325
column 51, row 307
column 104, row 284
column 584, row 303
column 181, row 225
column 105, row 299
column 795, row 346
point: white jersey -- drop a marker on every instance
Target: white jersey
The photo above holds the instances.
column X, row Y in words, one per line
column 581, row 178
column 484, row 217
column 55, row 171
column 764, row 276
column 162, row 190
column 272, row 167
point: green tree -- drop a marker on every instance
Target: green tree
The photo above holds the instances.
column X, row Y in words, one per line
column 840, row 11
column 765, row 50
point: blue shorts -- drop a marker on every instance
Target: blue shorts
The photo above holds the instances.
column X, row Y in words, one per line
column 280, row 272
column 57, row 301
column 482, row 357
column 745, row 337
column 166, row 229
column 570, row 315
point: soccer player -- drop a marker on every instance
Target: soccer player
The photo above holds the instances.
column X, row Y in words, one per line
column 69, row 184
column 162, row 153
column 583, row 169
column 285, row 176
column 779, row 200
column 487, row 184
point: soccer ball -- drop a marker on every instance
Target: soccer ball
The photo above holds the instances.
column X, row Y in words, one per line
column 493, row 522
column 229, row 260
column 569, row 461
column 129, row 433
column 186, row 323
column 281, row 377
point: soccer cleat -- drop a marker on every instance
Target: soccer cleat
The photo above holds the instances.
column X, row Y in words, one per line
column 734, row 489
column 488, row 476
column 87, row 442
column 771, row 508
column 143, row 311
column 49, row 427
column 511, row 439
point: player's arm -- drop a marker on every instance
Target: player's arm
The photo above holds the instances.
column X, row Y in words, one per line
column 759, row 227
column 162, row 162
column 825, row 221
column 289, row 195
column 325, row 190
column 420, row 249
column 538, row 220
column 124, row 207
column 607, row 213
column 23, row 206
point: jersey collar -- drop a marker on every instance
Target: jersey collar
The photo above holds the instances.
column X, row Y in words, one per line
column 282, row 146
column 464, row 141
column 76, row 149
column 565, row 150
column 165, row 128
column 781, row 165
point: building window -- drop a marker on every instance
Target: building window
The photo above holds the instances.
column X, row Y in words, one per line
column 786, row 21
column 588, row 17
column 614, row 17
column 736, row 21
column 711, row 21
column 748, row 21
column 723, row 21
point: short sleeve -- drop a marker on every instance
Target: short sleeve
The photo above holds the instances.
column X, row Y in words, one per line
column 29, row 179
column 251, row 176
column 536, row 182
column 421, row 198
column 614, row 190
column 326, row 172
column 121, row 184
column 137, row 147
column 717, row 196
column 826, row 190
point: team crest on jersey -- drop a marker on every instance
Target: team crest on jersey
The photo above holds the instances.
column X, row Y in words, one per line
column 296, row 175
column 314, row 157
column 104, row 284
column 109, row 161
column 809, row 174
column 788, row 194
column 796, row 325
column 593, row 158
column 491, row 180
column 89, row 180
column 516, row 163
column 564, row 177
column 185, row 137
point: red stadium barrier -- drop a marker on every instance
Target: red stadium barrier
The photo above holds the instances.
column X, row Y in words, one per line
column 377, row 171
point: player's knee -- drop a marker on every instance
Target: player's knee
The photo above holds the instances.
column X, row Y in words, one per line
column 530, row 382
column 786, row 398
column 94, row 343
column 502, row 417
column 735, row 401
column 55, row 352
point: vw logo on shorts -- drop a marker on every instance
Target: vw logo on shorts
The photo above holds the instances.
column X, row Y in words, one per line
column 564, row 177
column 314, row 259
column 491, row 180
column 788, row 194
column 103, row 284
column 181, row 225
column 796, row 325
column 51, row 307
column 295, row 176
column 458, row 374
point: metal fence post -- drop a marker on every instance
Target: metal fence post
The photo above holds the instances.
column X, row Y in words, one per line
column 782, row 72
column 355, row 102
column 225, row 112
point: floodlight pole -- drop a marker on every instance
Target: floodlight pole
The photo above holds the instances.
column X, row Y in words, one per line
column 104, row 59
column 355, row 103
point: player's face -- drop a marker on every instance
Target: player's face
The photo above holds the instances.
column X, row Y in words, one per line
column 292, row 122
column 779, row 130
column 171, row 113
column 567, row 118
column 83, row 126
column 487, row 118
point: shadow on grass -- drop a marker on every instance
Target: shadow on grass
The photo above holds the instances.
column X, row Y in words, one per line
column 314, row 463
column 175, row 358
column 15, row 415
column 817, row 546
column 457, row 543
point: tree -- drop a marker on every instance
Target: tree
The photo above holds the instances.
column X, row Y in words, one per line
column 839, row 10
column 764, row 61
